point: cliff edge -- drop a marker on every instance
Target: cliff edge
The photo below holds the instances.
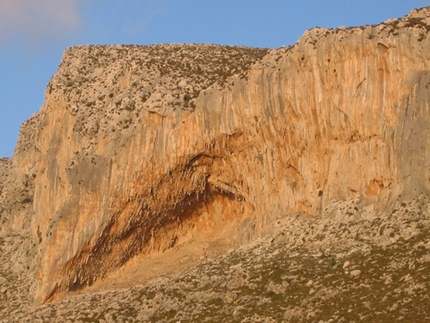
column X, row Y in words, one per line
column 139, row 149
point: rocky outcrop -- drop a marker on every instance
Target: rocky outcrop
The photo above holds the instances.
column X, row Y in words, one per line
column 139, row 149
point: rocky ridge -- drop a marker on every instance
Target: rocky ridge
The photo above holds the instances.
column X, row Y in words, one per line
column 132, row 158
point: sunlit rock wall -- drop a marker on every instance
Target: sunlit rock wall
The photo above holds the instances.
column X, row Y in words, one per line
column 137, row 149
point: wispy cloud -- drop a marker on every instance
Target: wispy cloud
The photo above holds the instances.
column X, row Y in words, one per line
column 38, row 19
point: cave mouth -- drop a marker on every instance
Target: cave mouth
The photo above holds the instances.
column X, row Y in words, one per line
column 207, row 214
column 202, row 225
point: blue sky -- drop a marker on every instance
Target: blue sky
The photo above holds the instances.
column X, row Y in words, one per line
column 34, row 34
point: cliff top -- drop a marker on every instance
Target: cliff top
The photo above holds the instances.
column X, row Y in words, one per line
column 102, row 81
column 190, row 67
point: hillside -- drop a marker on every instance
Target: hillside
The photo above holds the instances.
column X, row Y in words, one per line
column 189, row 183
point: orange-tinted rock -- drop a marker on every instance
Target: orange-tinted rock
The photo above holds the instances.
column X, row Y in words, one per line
column 138, row 149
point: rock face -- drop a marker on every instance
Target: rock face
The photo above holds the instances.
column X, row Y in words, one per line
column 140, row 149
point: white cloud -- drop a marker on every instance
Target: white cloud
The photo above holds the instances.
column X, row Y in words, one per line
column 38, row 19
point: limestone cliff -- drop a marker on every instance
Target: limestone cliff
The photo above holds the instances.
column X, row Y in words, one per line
column 138, row 149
